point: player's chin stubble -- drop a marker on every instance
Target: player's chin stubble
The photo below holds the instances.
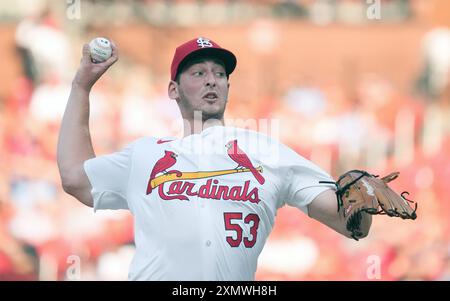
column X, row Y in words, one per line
column 213, row 113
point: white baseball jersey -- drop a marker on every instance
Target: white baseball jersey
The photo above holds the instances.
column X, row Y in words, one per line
column 205, row 204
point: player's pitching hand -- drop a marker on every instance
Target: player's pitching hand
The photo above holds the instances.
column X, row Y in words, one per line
column 88, row 73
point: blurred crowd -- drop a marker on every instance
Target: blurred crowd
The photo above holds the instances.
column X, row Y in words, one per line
column 372, row 124
column 214, row 12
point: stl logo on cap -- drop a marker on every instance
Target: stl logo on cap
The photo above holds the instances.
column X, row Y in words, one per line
column 202, row 42
column 198, row 46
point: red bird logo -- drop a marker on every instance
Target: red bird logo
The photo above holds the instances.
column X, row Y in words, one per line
column 241, row 158
column 169, row 159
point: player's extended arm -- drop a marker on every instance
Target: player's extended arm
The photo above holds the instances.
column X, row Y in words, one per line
column 74, row 141
column 324, row 208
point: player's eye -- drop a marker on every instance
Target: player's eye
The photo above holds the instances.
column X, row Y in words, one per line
column 198, row 73
column 220, row 74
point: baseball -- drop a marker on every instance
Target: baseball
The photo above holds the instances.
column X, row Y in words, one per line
column 100, row 49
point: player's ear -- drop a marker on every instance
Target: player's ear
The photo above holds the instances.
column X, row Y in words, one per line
column 172, row 90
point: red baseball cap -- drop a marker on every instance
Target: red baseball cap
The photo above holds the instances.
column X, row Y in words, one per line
column 201, row 47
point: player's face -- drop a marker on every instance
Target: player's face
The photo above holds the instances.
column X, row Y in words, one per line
column 203, row 86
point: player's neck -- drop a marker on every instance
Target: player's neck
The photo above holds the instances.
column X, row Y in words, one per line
column 197, row 126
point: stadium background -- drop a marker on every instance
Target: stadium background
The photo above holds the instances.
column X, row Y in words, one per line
column 349, row 92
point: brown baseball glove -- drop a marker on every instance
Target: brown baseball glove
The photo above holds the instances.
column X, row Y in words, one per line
column 358, row 191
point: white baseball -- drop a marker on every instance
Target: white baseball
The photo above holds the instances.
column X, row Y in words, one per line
column 100, row 49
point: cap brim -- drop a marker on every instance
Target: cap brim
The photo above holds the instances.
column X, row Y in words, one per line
column 227, row 57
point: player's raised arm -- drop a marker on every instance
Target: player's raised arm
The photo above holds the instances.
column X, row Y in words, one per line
column 74, row 141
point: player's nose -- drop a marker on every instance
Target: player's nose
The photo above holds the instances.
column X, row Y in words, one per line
column 210, row 79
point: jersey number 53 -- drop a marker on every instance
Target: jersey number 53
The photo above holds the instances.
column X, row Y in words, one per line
column 252, row 218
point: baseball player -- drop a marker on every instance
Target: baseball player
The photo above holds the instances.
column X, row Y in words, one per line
column 204, row 205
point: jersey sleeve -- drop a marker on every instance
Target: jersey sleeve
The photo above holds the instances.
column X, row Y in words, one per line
column 301, row 179
column 109, row 175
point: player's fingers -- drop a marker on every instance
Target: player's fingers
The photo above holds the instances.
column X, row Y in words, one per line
column 86, row 58
column 108, row 62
